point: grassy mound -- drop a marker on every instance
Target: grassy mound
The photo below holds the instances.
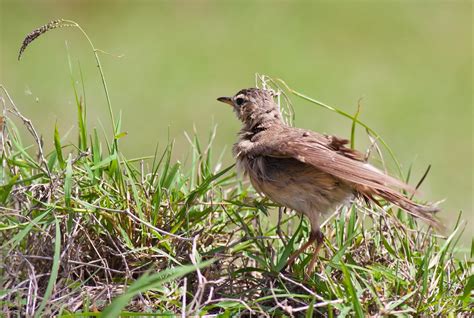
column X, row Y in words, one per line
column 88, row 232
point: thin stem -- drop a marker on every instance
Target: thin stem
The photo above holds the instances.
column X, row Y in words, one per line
column 102, row 76
column 31, row 129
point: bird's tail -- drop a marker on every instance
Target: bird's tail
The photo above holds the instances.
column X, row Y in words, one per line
column 423, row 212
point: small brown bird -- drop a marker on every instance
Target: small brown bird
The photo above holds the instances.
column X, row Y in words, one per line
column 306, row 171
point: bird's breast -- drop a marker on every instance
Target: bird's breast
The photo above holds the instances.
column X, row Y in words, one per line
column 294, row 184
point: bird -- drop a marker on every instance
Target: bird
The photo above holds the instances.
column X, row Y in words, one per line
column 308, row 172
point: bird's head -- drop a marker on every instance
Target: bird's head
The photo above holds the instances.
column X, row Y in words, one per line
column 254, row 106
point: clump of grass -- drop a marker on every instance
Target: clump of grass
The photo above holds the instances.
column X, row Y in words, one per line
column 88, row 232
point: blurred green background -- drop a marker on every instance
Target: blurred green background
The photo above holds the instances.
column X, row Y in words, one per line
column 410, row 61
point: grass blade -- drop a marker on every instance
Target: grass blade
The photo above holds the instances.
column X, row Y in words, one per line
column 57, row 146
column 54, row 269
column 352, row 292
column 147, row 282
column 68, row 182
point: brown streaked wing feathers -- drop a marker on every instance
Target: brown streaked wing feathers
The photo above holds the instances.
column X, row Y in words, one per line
column 342, row 162
column 331, row 156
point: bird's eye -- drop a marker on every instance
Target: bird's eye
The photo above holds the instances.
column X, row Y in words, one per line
column 239, row 101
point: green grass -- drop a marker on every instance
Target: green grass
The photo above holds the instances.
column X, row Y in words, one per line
column 86, row 231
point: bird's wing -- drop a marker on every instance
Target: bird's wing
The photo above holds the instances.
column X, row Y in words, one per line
column 330, row 155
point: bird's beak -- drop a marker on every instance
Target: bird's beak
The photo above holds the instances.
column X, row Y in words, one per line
column 226, row 100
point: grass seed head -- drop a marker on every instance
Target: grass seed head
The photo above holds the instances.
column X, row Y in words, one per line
column 54, row 24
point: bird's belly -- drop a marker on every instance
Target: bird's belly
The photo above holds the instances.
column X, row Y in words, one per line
column 296, row 185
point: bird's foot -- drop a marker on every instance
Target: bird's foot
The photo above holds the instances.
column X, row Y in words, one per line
column 311, row 268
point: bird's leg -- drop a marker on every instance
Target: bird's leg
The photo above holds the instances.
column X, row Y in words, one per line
column 313, row 237
column 314, row 257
